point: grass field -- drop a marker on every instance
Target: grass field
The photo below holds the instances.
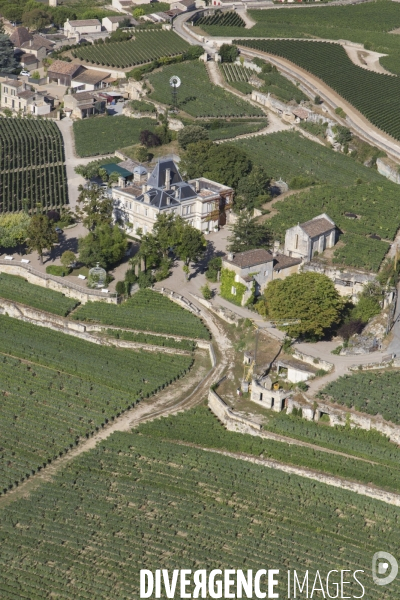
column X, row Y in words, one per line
column 56, row 389
column 104, row 135
column 146, row 311
column 338, row 185
column 367, row 23
column 231, row 129
column 18, row 289
column 191, row 97
column 136, row 502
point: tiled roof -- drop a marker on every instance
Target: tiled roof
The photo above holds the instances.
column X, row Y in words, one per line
column 91, row 77
column 26, row 94
column 34, row 44
column 64, row 68
column 13, row 83
column 85, row 23
column 116, row 19
column 251, row 258
column 301, row 113
column 19, row 36
column 317, row 227
column 284, row 262
column 83, row 96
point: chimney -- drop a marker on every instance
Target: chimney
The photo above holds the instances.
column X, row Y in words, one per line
column 168, row 201
column 147, row 198
column 197, row 185
column 144, row 187
column 177, row 193
column 121, row 182
column 230, row 256
column 167, row 178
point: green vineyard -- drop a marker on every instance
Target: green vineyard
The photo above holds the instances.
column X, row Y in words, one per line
column 375, row 95
column 146, row 311
column 135, row 502
column 146, row 46
column 18, row 289
column 32, row 166
column 191, row 97
column 222, row 19
column 371, row 393
column 233, row 72
column 56, row 389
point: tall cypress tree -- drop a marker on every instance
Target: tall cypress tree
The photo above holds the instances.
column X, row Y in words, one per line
column 8, row 63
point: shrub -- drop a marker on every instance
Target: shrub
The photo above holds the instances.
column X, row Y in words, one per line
column 59, row 271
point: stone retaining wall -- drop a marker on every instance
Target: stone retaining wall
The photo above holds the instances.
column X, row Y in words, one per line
column 228, row 417
column 311, row 360
column 46, row 281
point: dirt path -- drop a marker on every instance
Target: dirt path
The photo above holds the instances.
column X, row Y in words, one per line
column 366, row 59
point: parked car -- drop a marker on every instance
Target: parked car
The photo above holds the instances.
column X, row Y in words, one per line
column 25, row 73
column 59, row 230
column 121, row 99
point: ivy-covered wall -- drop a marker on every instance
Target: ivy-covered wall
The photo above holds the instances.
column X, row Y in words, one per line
column 227, row 281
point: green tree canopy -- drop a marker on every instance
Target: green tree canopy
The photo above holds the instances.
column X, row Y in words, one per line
column 93, row 208
column 247, row 234
column 309, row 297
column 228, row 53
column 252, row 190
column 13, row 229
column 7, row 61
column 224, row 163
column 41, row 234
column 191, row 135
column 105, row 245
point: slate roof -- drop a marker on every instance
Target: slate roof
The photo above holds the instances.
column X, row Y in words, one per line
column 317, row 227
column 184, row 191
column 159, row 198
column 63, row 67
column 157, row 178
column 19, row 36
column 251, row 258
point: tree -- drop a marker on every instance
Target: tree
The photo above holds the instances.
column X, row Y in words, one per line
column 343, row 134
column 138, row 12
column 190, row 244
column 105, row 245
column 93, row 208
column 309, row 297
column 224, row 163
column 36, row 19
column 194, row 161
column 13, row 229
column 247, row 234
column 149, row 139
column 8, row 63
column 228, row 53
column 67, row 258
column 41, row 235
column 142, row 154
column 214, row 266
column 165, row 231
column 191, row 135
column 206, row 291
column 252, row 189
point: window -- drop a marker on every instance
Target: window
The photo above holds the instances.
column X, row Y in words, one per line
column 6, row 90
column 233, row 291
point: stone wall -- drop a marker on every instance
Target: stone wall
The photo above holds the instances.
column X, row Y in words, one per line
column 311, row 360
column 228, row 417
column 47, row 281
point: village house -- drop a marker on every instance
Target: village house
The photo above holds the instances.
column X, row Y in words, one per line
column 84, row 104
column 62, row 72
column 18, row 96
column 88, row 80
column 183, row 5
column 112, row 23
column 125, row 5
column 306, row 239
column 78, row 28
column 202, row 203
column 253, row 270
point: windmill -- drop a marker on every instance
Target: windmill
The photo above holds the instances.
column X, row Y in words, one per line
column 174, row 82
